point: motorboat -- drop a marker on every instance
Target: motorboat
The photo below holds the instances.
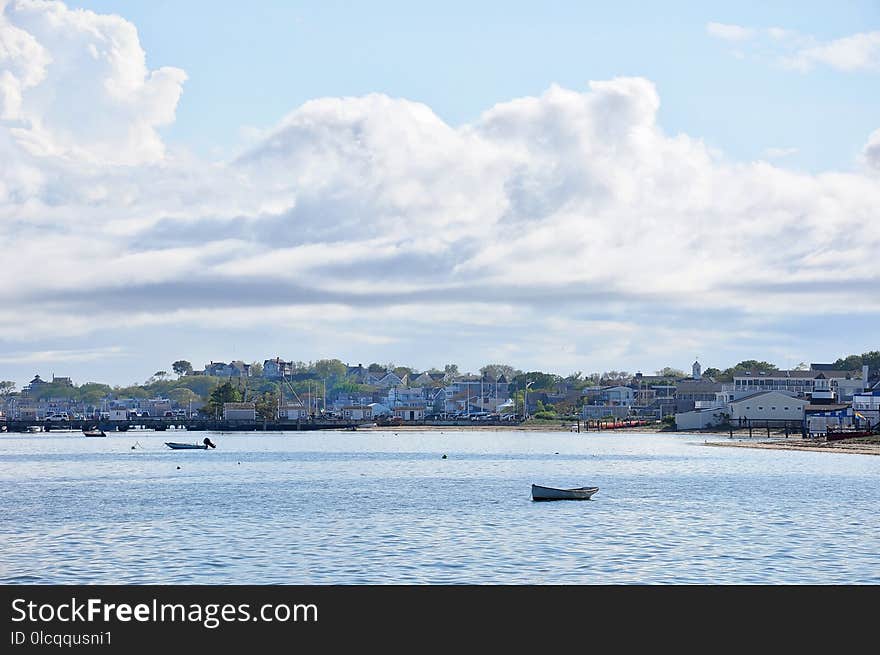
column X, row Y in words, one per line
column 551, row 493
column 206, row 443
column 94, row 432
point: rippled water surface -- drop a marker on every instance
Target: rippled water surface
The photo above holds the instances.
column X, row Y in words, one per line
column 375, row 507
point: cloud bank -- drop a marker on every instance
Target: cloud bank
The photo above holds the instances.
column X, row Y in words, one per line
column 567, row 213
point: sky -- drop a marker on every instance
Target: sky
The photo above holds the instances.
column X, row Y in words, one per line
column 562, row 186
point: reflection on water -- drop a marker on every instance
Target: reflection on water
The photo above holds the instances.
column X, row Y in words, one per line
column 375, row 507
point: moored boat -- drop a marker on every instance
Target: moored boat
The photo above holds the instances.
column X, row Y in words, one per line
column 838, row 435
column 551, row 493
column 94, row 432
column 173, row 445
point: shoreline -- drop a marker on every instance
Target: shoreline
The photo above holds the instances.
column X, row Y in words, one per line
column 500, row 428
column 852, row 448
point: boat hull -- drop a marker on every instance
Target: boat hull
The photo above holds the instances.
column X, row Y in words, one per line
column 550, row 493
column 839, row 436
column 186, row 446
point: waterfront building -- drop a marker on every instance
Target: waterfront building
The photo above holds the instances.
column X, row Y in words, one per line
column 410, row 412
column 239, row 412
column 378, row 409
column 699, row 419
column 397, row 396
column 800, row 383
column 768, row 406
column 293, row 411
column 688, row 393
column 357, row 412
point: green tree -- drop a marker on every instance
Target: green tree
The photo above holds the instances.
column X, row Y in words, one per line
column 7, row 388
column 93, row 392
column 267, row 406
column 182, row 368
column 256, row 369
column 330, row 370
column 400, row 371
column 183, row 396
column 540, row 381
column 669, row 372
column 451, row 371
column 221, row 394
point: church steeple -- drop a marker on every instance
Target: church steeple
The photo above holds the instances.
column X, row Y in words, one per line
column 697, row 370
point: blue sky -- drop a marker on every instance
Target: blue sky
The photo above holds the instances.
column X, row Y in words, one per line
column 557, row 185
column 251, row 66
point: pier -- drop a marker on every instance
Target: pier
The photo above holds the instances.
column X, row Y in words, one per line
column 161, row 424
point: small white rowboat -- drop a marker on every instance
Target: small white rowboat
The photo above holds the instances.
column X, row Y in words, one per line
column 549, row 493
column 191, row 446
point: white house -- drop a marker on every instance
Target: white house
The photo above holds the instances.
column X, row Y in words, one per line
column 410, row 412
column 239, row 412
column 277, row 368
column 293, row 411
column 800, row 383
column 699, row 419
column 403, row 396
column 378, row 409
column 357, row 412
column 768, row 406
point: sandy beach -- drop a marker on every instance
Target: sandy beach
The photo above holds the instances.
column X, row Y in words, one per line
column 853, row 446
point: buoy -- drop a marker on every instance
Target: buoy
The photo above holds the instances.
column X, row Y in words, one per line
column 178, row 468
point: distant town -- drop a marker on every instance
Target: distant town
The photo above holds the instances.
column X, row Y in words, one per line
column 819, row 396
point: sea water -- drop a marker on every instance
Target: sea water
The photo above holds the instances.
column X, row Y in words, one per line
column 385, row 507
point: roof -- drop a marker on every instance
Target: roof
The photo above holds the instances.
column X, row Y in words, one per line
column 803, row 375
column 825, row 408
column 764, row 393
column 704, row 385
column 238, row 405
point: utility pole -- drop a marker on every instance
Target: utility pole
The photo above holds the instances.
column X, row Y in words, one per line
column 526, row 399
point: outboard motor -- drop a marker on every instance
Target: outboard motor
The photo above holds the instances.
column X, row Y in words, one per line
column 208, row 443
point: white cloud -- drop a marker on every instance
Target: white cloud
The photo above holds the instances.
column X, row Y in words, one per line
column 730, row 32
column 573, row 205
column 75, row 84
column 851, row 53
column 61, row 356
column 803, row 52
